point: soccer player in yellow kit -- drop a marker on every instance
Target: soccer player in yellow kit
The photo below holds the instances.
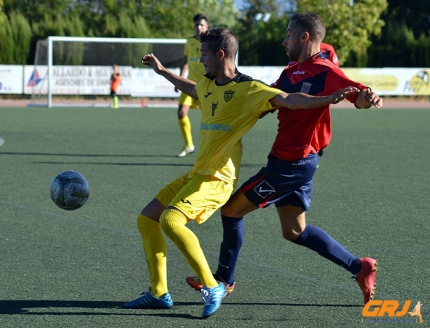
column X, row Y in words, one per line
column 231, row 104
column 196, row 70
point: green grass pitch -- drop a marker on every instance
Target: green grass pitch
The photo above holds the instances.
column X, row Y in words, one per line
column 76, row 269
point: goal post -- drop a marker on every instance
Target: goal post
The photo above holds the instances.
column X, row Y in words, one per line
column 70, row 66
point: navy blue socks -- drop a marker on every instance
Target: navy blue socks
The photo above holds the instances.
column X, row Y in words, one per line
column 233, row 234
column 320, row 241
column 312, row 237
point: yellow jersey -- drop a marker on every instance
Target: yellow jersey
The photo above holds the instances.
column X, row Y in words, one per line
column 229, row 111
column 196, row 70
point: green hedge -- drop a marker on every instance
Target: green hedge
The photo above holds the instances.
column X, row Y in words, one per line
column 18, row 39
column 398, row 47
column 15, row 40
column 260, row 45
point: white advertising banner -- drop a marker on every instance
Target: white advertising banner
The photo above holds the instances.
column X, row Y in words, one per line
column 11, row 79
column 393, row 81
column 143, row 82
column 146, row 83
column 266, row 74
column 76, row 80
column 384, row 81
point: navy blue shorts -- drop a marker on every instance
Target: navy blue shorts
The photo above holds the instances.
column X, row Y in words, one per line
column 282, row 183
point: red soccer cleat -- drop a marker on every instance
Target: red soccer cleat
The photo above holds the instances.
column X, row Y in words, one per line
column 195, row 283
column 366, row 278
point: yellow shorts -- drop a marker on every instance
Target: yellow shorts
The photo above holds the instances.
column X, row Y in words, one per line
column 186, row 100
column 198, row 197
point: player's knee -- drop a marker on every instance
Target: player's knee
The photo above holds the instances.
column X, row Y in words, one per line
column 145, row 225
column 171, row 218
column 164, row 225
column 229, row 211
column 291, row 235
column 182, row 112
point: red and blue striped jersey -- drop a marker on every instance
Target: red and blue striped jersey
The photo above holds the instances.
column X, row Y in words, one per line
column 306, row 131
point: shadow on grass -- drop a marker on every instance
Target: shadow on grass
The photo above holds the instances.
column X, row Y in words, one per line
column 53, row 307
column 116, row 156
column 50, row 307
column 120, row 164
column 83, row 155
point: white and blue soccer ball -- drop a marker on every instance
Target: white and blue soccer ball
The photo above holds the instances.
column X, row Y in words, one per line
column 69, row 190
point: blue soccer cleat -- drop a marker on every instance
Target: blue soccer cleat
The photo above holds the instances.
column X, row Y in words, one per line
column 212, row 298
column 148, row 301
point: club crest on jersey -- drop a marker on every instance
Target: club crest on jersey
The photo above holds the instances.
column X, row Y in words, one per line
column 228, row 95
column 264, row 189
column 306, row 87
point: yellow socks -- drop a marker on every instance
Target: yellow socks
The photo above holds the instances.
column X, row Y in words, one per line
column 173, row 223
column 185, row 128
column 155, row 248
column 115, row 101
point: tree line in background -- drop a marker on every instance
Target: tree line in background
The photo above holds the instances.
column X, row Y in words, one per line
column 365, row 33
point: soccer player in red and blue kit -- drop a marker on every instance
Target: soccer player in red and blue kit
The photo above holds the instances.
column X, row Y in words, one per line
column 286, row 181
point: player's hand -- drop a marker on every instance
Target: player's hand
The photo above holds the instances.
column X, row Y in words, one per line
column 371, row 98
column 342, row 94
column 151, row 60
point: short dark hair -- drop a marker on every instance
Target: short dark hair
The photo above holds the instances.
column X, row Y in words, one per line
column 311, row 23
column 198, row 17
column 221, row 38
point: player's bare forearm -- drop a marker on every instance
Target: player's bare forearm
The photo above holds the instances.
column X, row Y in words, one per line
column 305, row 101
column 183, row 84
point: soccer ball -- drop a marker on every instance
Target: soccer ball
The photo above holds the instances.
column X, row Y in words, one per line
column 69, row 190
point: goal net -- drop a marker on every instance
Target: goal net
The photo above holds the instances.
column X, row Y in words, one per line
column 76, row 71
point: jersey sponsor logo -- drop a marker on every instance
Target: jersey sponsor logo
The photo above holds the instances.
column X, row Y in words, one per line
column 221, row 127
column 208, row 94
column 264, row 189
column 318, row 81
column 228, row 95
column 185, row 201
column 306, row 87
column 214, row 107
column 299, row 73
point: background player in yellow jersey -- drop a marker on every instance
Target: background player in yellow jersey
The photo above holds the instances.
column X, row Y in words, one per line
column 196, row 70
column 231, row 104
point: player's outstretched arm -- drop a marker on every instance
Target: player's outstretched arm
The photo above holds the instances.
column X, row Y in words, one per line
column 367, row 98
column 183, row 84
column 305, row 101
